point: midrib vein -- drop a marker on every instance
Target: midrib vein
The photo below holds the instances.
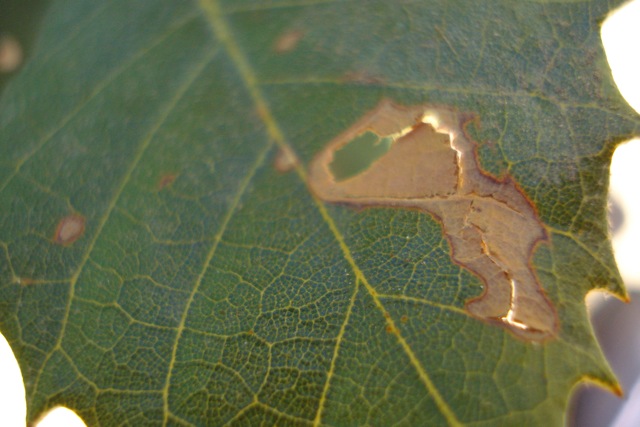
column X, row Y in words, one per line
column 219, row 27
column 164, row 114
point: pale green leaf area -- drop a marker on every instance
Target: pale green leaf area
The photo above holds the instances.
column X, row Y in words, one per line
column 209, row 288
column 358, row 155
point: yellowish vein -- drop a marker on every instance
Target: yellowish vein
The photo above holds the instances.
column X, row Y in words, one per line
column 146, row 141
column 212, row 251
column 219, row 26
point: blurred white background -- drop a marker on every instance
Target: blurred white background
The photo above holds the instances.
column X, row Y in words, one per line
column 621, row 37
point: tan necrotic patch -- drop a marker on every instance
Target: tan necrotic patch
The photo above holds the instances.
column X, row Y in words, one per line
column 432, row 166
column 10, row 54
column 285, row 160
column 288, row 41
column 69, row 229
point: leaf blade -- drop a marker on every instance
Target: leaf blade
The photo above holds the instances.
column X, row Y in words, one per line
column 161, row 225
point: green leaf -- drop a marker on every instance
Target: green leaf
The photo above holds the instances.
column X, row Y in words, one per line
column 163, row 261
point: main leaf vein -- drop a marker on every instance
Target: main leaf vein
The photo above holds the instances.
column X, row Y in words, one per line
column 223, row 34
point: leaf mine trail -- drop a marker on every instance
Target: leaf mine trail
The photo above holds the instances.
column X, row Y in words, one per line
column 431, row 165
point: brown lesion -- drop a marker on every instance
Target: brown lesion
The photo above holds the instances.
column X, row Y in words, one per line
column 11, row 55
column 288, row 41
column 69, row 229
column 166, row 180
column 491, row 225
column 285, row 160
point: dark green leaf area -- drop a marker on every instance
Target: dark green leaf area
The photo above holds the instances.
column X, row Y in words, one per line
column 157, row 266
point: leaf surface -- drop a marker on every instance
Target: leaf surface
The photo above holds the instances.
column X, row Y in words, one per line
column 163, row 260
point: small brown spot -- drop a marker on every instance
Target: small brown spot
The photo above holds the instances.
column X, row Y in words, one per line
column 69, row 229
column 404, row 319
column 166, row 180
column 286, row 160
column 287, row 41
column 250, row 332
column 23, row 281
column 389, row 329
column 10, row 54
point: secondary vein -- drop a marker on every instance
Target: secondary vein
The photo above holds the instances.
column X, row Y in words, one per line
column 144, row 145
column 216, row 241
column 219, row 27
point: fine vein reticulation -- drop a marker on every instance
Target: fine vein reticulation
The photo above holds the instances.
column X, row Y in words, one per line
column 191, row 266
column 222, row 32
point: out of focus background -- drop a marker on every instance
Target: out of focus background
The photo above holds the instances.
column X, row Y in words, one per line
column 615, row 323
